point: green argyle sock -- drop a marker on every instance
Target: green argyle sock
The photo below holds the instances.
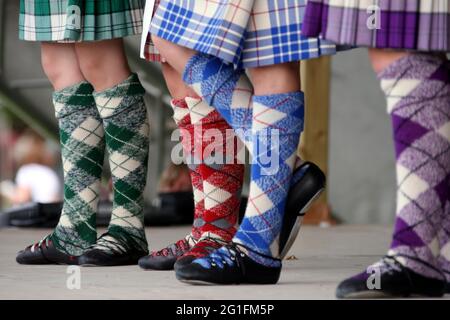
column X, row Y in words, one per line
column 124, row 115
column 82, row 144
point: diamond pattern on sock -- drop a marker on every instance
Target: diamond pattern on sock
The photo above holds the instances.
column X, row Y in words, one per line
column 222, row 182
column 183, row 120
column 419, row 103
column 284, row 114
column 124, row 115
column 82, row 143
column 230, row 92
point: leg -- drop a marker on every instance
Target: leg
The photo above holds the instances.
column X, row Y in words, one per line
column 82, row 144
column 103, row 63
column 221, row 182
column 278, row 111
column 60, row 65
column 179, row 91
column 215, row 215
column 417, row 88
column 381, row 59
column 177, row 88
column 276, row 117
column 165, row 258
column 177, row 56
column 119, row 99
column 276, row 79
column 230, row 92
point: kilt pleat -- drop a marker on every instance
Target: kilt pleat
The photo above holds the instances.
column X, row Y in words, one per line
column 422, row 25
column 249, row 33
column 79, row 20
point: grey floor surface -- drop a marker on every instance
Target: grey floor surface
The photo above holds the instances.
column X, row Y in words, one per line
column 323, row 256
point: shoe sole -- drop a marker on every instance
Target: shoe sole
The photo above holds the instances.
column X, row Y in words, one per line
column 297, row 225
column 372, row 294
column 375, row 294
column 205, row 283
column 90, row 265
column 200, row 283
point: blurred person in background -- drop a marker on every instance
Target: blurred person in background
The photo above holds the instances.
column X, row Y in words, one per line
column 36, row 180
column 175, row 178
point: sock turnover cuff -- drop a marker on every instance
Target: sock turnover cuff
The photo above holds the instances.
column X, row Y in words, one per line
column 120, row 97
column 73, row 99
column 418, row 66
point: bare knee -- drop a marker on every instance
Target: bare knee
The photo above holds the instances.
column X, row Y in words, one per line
column 161, row 44
column 93, row 70
column 60, row 65
column 102, row 73
column 104, row 64
column 177, row 88
column 381, row 59
column 280, row 78
column 177, row 56
column 52, row 66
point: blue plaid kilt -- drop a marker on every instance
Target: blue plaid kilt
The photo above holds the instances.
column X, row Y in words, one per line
column 250, row 33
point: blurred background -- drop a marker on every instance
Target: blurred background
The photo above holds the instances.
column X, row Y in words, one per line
column 361, row 179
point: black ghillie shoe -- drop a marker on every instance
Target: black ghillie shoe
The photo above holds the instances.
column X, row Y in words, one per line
column 165, row 259
column 309, row 183
column 110, row 252
column 395, row 280
column 202, row 248
column 45, row 252
column 229, row 265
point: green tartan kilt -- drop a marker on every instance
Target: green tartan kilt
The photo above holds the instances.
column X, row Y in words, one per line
column 79, row 20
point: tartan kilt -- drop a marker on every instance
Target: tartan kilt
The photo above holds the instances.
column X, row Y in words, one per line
column 149, row 51
column 79, row 20
column 251, row 33
column 422, row 25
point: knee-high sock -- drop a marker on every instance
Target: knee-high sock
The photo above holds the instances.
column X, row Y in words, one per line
column 82, row 143
column 276, row 128
column 124, row 115
column 183, row 121
column 222, row 177
column 418, row 94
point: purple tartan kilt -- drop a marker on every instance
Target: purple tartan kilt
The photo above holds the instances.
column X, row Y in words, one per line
column 422, row 25
column 250, row 33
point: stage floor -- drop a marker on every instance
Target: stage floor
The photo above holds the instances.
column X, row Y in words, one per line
column 321, row 258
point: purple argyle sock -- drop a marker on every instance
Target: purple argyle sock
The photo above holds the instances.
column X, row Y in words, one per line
column 417, row 88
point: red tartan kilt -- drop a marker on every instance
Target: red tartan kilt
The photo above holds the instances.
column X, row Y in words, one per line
column 150, row 52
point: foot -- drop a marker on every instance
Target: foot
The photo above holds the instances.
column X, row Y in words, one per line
column 165, row 259
column 110, row 251
column 229, row 265
column 44, row 252
column 395, row 280
column 201, row 249
column 309, row 183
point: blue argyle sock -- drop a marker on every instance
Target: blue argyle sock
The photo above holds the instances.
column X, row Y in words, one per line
column 277, row 124
column 276, row 127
